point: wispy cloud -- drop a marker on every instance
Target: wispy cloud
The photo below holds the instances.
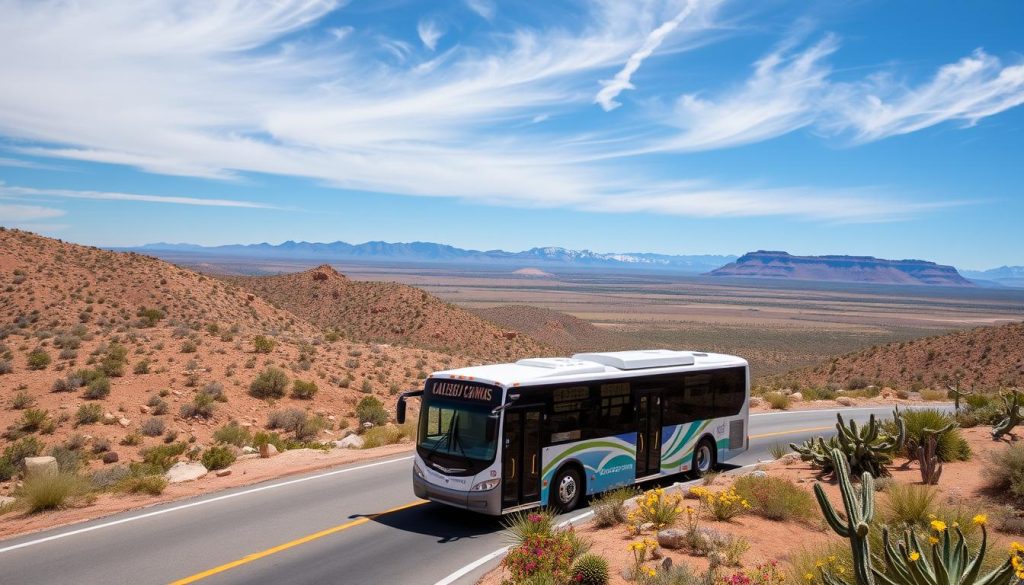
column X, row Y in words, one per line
column 621, row 82
column 486, row 9
column 25, row 192
column 430, row 32
column 24, row 213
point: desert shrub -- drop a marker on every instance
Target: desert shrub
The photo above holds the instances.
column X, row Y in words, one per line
column 153, row 427
column 909, row 504
column 303, row 390
column 88, row 414
column 933, row 395
column 521, row 526
column 233, row 434
column 732, row 549
column 38, row 359
column 132, row 439
column 100, row 445
column 1005, row 472
column 218, row 457
column 387, row 435
column 157, row 405
column 64, row 385
column 68, row 460
column 76, row 442
column 951, row 446
column 141, row 367
column 47, row 492
column 822, row 393
column 114, row 361
column 108, row 477
column 189, row 346
column 163, row 456
column 370, row 410
column 659, row 508
column 775, row 498
column 366, row 387
column 6, row 367
column 287, row 419
column 22, row 400
column 722, row 506
column 678, row 574
column 778, row 400
column 202, row 406
column 263, row 344
column 1008, row 519
column 270, row 383
column 590, row 569
column 150, row 317
column 141, row 482
column 215, row 390
column 17, row 451
column 7, row 469
column 260, row 438
column 97, row 389
column 610, row 507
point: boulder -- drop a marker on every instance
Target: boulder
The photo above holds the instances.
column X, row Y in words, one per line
column 845, row 400
column 124, row 422
column 223, row 472
column 267, row 451
column 797, row 396
column 247, row 450
column 367, row 425
column 110, row 457
column 672, row 538
column 109, row 418
column 759, row 473
column 183, row 471
column 144, row 409
column 350, row 442
column 40, row 466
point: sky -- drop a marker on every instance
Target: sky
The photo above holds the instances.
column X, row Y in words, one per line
column 679, row 127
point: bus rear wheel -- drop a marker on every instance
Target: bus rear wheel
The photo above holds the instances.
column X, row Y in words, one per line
column 566, row 490
column 703, row 458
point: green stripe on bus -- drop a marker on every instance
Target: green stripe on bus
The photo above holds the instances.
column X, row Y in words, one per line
column 584, row 446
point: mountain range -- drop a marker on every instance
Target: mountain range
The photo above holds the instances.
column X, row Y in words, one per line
column 1012, row 276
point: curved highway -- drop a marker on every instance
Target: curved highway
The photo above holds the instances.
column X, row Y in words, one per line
column 354, row 524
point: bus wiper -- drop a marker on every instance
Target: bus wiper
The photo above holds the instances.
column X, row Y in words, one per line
column 447, row 436
column 458, row 443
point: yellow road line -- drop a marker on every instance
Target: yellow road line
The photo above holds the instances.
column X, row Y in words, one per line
column 793, row 432
column 293, row 543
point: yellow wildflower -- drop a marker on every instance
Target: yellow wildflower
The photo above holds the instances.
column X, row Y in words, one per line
column 980, row 519
column 938, row 526
column 933, row 539
column 809, row 576
column 914, row 556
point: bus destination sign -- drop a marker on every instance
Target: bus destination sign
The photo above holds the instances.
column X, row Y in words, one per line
column 463, row 391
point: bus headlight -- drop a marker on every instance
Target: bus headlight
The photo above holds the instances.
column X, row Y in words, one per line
column 483, row 486
column 419, row 472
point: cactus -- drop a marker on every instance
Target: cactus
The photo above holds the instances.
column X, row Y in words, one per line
column 591, row 569
column 1011, row 418
column 948, row 564
column 860, row 511
column 866, row 448
column 957, row 395
column 931, row 467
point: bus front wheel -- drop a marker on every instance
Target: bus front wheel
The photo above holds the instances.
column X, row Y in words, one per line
column 703, row 458
column 567, row 489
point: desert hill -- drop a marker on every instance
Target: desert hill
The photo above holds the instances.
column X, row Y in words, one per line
column 766, row 264
column 986, row 358
column 385, row 312
column 161, row 336
column 560, row 330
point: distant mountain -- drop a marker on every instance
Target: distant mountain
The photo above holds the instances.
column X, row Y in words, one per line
column 1012, row 276
column 866, row 269
column 430, row 252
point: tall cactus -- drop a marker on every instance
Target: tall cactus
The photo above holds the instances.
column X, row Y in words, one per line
column 1011, row 417
column 957, row 395
column 860, row 511
column 866, row 447
column 927, row 455
column 948, row 564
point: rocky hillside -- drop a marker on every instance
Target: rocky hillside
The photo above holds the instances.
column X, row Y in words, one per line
column 89, row 337
column 986, row 358
column 559, row 330
column 866, row 269
column 391, row 313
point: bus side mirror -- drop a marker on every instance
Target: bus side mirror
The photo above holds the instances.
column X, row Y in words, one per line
column 400, row 409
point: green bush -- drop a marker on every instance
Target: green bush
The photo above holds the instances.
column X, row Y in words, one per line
column 263, row 344
column 15, row 453
column 303, row 390
column 97, row 389
column 153, row 427
column 141, row 367
column 202, row 406
column 114, row 361
column 163, row 456
column 143, row 483
column 591, row 569
column 38, row 359
column 22, row 400
column 952, row 446
column 150, row 317
column 370, row 410
column 775, row 498
column 610, row 507
column 33, row 419
column 933, row 395
column 218, row 457
column 233, row 434
column 909, row 504
column 68, row 460
column 823, row 393
column 1005, row 472
column 47, row 492
column 387, row 435
column 778, row 400
column 270, row 383
column 88, row 414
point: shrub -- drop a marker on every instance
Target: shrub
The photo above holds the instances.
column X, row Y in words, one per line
column 108, row 477
column 233, row 434
column 150, row 317
column 1005, row 472
column 157, row 405
column 132, row 439
column 370, row 410
column 141, row 367
column 143, row 483
column 263, row 344
column 68, row 460
column 22, row 400
column 114, row 361
column 100, row 445
column 218, row 457
column 46, row 492
column 951, row 446
column 6, row 367
column 153, row 427
column 778, row 400
column 1007, row 519
column 188, row 346
column 163, row 456
column 261, row 438
column 65, row 385
column 933, row 395
column 521, row 526
column 38, row 359
column 33, row 419
column 202, row 406
column 590, row 569
column 387, row 435
column 17, row 451
column 909, row 505
column 287, row 419
column 775, row 498
column 823, row 393
column 97, row 389
column 722, row 506
column 88, row 414
column 270, row 383
column 659, row 509
column 303, row 390
column 610, row 507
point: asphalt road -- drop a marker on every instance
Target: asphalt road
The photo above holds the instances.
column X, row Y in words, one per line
column 358, row 524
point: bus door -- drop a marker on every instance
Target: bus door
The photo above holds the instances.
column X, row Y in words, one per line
column 648, row 437
column 521, row 464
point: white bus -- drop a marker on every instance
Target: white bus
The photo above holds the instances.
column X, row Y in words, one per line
column 549, row 431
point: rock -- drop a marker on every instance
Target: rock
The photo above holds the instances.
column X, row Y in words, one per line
column 109, row 418
column 797, row 396
column 756, row 401
column 247, row 450
column 144, row 409
column 124, row 422
column 267, row 451
column 6, row 501
column 845, row 400
column 182, row 471
column 646, row 526
column 350, row 442
column 40, row 466
column 791, row 457
column 671, row 538
column 110, row 457
column 248, row 456
column 759, row 473
column 332, row 418
column 223, row 472
column 666, row 564
column 367, row 425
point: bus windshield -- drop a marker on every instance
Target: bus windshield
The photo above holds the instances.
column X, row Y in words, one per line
column 455, row 429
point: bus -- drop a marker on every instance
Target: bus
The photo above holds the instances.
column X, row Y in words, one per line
column 501, row 438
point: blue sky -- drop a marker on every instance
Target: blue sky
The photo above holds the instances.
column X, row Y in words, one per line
column 663, row 126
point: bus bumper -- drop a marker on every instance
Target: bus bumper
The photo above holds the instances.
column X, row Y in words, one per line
column 488, row 502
